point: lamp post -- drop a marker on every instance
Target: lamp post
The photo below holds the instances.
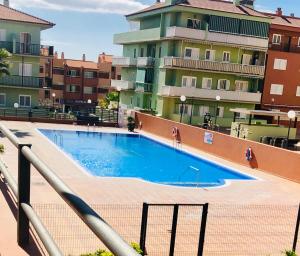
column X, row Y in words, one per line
column 218, row 98
column 16, row 106
column 291, row 115
column 182, row 99
column 53, row 99
column 89, row 101
column 118, row 106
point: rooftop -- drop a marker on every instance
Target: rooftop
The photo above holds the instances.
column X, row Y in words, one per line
column 285, row 20
column 10, row 14
column 214, row 5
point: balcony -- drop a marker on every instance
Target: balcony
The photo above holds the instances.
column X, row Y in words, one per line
column 145, row 62
column 138, row 36
column 143, row 87
column 47, row 51
column 240, row 69
column 19, row 81
column 124, row 62
column 174, row 91
column 181, row 32
column 122, row 85
column 21, row 48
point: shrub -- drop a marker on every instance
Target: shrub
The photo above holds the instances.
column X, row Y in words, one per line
column 135, row 246
column 289, row 253
column 1, row 148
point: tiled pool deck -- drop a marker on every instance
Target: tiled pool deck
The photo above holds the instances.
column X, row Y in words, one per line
column 267, row 190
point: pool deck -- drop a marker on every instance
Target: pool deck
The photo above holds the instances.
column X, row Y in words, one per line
column 268, row 189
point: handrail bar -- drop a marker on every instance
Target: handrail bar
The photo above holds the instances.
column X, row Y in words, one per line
column 9, row 179
column 100, row 228
column 96, row 224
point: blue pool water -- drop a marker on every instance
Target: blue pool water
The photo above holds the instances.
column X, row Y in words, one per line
column 135, row 156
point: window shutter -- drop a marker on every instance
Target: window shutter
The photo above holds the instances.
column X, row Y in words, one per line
column 221, row 111
column 227, row 85
column 219, row 84
column 184, row 82
column 20, row 69
column 195, row 54
column 193, row 82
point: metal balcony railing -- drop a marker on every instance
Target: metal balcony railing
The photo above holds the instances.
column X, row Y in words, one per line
column 22, row 81
column 27, row 48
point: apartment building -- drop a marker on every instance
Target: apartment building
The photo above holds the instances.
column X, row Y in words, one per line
column 211, row 52
column 78, row 83
column 20, row 34
column 282, row 81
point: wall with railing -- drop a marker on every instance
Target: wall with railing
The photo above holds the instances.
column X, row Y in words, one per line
column 267, row 158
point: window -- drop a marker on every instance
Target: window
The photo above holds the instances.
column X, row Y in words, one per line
column 297, row 92
column 159, row 52
column 90, row 74
column 280, row 64
column 223, row 84
column 2, row 35
column 192, row 53
column 25, row 43
column 241, row 115
column 194, row 24
column 189, row 81
column 73, row 88
column 226, row 56
column 25, row 100
column 41, row 69
column 142, row 52
column 210, row 55
column 246, row 59
column 220, row 112
column 2, row 99
column 134, row 53
column 206, row 83
column 104, row 75
column 58, row 71
column 276, row 39
column 186, row 109
column 25, row 69
column 47, row 94
column 73, row 73
column 276, row 89
column 87, row 90
column 241, row 86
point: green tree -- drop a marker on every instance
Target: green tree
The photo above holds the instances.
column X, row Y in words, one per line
column 4, row 65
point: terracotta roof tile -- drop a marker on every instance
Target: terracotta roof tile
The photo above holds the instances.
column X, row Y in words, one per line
column 80, row 63
column 10, row 14
column 214, row 5
column 286, row 21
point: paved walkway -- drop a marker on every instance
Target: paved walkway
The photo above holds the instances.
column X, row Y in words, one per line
column 108, row 193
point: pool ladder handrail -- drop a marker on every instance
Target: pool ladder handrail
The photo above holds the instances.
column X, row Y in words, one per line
column 61, row 139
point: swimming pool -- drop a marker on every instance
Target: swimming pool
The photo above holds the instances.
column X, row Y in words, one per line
column 136, row 156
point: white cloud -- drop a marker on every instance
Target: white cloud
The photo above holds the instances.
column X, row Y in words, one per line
column 88, row 6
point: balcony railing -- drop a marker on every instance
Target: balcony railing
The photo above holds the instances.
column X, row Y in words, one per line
column 145, row 62
column 249, row 70
column 22, row 81
column 22, row 48
column 145, row 35
column 174, row 91
column 181, row 32
column 143, row 87
column 124, row 61
column 122, row 85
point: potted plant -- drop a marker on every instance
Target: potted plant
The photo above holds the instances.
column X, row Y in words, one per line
column 1, row 148
column 130, row 124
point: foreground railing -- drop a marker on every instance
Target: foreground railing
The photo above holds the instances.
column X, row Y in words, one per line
column 26, row 214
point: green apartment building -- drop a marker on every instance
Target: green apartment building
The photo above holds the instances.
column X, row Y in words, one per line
column 202, row 49
column 20, row 34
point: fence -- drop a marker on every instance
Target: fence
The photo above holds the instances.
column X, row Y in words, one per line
column 258, row 230
column 26, row 214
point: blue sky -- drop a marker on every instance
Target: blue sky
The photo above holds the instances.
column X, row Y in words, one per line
column 87, row 26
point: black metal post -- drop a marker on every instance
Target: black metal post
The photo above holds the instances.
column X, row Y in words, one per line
column 216, row 114
column 23, row 196
column 119, row 95
column 202, row 230
column 296, row 231
column 250, row 120
column 144, row 227
column 174, row 229
column 181, row 112
column 234, row 117
column 191, row 116
column 295, row 123
column 289, row 130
